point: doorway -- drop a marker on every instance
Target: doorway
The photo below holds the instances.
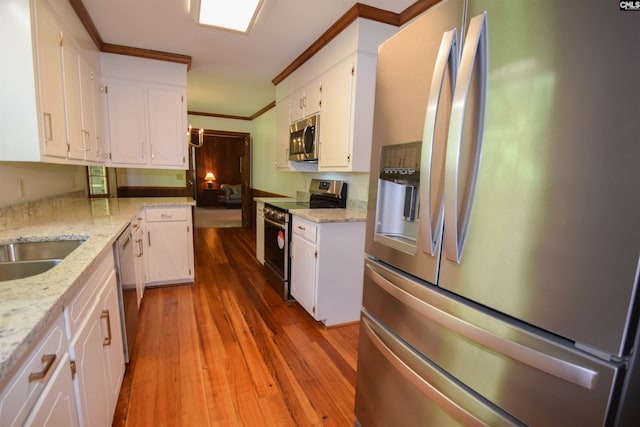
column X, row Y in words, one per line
column 219, row 169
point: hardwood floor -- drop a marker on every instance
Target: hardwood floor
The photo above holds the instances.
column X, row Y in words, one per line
column 228, row 351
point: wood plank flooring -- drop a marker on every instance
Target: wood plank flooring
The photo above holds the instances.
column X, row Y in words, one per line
column 228, row 351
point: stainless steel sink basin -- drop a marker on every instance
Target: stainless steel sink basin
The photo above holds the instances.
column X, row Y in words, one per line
column 22, row 269
column 24, row 259
column 43, row 250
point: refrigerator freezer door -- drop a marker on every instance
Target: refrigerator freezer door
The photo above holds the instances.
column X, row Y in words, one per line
column 553, row 236
column 398, row 387
column 511, row 365
column 407, row 65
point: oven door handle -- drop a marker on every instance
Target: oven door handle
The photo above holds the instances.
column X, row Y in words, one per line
column 277, row 224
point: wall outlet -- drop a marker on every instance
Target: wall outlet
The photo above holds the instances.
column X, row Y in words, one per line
column 20, row 187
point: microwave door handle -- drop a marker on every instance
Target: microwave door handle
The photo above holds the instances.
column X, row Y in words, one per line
column 431, row 228
column 457, row 207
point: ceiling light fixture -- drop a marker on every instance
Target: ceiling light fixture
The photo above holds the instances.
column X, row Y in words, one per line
column 236, row 15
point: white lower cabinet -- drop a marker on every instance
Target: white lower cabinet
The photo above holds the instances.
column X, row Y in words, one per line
column 138, row 250
column 327, row 264
column 169, row 245
column 93, row 322
column 39, row 390
column 57, row 405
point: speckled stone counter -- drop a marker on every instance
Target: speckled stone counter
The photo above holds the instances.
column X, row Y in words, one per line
column 330, row 215
column 29, row 305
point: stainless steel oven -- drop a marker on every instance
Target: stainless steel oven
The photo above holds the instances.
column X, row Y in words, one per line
column 276, row 248
column 277, row 229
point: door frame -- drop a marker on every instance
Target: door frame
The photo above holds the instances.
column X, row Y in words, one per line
column 245, row 170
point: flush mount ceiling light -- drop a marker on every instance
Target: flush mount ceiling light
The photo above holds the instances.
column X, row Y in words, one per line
column 236, row 15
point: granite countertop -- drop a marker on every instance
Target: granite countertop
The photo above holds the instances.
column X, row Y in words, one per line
column 331, row 215
column 28, row 306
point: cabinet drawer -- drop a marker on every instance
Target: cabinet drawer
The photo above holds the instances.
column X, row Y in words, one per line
column 305, row 229
column 166, row 214
column 20, row 395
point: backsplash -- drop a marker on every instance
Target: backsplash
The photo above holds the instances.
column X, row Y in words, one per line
column 14, row 216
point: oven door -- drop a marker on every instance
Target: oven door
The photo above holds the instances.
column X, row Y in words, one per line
column 276, row 254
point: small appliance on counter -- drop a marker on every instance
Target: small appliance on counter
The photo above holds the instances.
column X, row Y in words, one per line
column 277, row 229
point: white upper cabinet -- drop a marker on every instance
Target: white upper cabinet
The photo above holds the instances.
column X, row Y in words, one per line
column 52, row 121
column 339, row 84
column 147, row 112
column 347, row 114
column 127, row 123
column 306, row 100
column 46, row 121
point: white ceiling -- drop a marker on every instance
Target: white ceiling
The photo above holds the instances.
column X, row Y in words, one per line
column 230, row 73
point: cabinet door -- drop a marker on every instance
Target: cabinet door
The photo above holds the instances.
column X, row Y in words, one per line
column 52, row 121
column 91, row 379
column 303, row 273
column 168, row 247
column 138, row 240
column 167, row 126
column 73, row 101
column 282, row 134
column 336, row 115
column 112, row 346
column 87, row 98
column 312, row 97
column 127, row 123
column 57, row 404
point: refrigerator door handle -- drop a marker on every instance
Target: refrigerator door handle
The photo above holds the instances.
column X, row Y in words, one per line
column 457, row 211
column 431, row 228
column 543, row 362
column 417, row 381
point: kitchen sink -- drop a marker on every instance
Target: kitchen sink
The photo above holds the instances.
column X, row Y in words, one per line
column 22, row 269
column 25, row 259
column 43, row 250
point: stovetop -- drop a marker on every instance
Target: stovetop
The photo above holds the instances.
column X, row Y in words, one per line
column 285, row 206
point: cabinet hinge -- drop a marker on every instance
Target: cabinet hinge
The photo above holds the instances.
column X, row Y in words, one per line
column 72, row 364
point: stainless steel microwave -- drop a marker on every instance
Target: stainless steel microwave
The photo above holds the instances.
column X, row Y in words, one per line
column 303, row 139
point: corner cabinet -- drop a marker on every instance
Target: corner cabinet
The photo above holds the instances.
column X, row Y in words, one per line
column 327, row 264
column 169, row 245
column 147, row 125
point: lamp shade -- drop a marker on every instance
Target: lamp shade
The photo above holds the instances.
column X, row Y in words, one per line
column 209, row 177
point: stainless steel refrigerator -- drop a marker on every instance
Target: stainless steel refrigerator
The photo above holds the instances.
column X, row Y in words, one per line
column 503, row 233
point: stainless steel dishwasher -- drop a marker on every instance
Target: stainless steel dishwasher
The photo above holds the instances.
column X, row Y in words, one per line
column 126, row 272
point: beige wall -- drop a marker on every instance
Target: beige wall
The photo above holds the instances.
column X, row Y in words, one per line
column 38, row 180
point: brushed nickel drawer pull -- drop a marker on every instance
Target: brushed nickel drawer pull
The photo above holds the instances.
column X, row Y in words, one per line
column 48, row 360
column 105, row 315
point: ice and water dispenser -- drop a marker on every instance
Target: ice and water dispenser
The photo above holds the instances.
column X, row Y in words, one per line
column 398, row 196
